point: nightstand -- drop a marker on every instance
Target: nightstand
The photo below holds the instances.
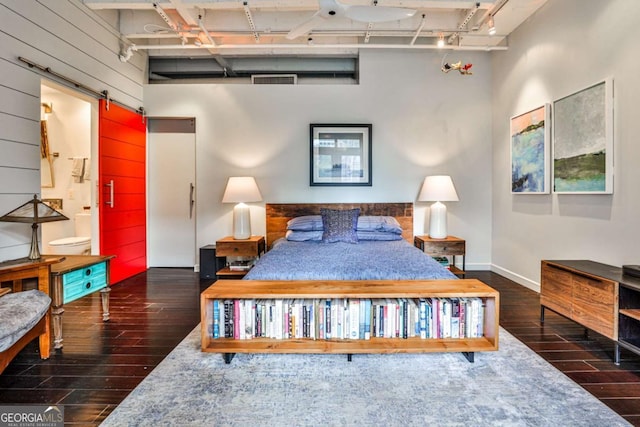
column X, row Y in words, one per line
column 449, row 246
column 253, row 247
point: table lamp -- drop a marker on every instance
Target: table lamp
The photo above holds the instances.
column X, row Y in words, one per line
column 240, row 190
column 33, row 212
column 438, row 189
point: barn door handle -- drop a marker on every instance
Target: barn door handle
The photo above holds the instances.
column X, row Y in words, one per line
column 112, row 187
column 191, row 201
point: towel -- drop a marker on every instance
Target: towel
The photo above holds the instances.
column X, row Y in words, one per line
column 77, row 169
column 87, row 170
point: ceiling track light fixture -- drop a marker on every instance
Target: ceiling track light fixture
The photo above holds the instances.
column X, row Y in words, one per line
column 440, row 41
column 367, row 35
column 464, row 23
column 492, row 26
column 247, row 13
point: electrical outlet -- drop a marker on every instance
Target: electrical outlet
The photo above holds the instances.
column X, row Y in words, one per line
column 72, row 194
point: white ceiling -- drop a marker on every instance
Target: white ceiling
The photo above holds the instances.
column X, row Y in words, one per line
column 259, row 28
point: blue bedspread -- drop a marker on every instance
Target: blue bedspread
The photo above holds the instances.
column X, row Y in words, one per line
column 395, row 260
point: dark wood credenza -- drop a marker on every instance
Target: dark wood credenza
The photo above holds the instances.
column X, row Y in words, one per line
column 595, row 295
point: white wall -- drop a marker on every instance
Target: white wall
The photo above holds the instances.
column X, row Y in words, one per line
column 568, row 45
column 424, row 122
column 73, row 41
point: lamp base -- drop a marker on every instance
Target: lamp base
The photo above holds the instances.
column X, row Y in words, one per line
column 34, row 253
column 241, row 222
column 438, row 221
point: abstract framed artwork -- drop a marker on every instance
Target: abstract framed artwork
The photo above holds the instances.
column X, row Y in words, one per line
column 530, row 136
column 340, row 154
column 583, row 141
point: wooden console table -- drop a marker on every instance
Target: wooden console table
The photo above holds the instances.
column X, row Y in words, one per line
column 596, row 296
column 15, row 271
column 73, row 278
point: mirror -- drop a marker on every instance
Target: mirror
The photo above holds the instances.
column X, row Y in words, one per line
column 46, row 161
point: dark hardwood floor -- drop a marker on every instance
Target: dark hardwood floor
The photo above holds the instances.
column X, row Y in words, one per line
column 151, row 313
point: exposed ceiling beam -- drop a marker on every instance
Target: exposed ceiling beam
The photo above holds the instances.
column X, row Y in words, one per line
column 184, row 12
column 316, row 47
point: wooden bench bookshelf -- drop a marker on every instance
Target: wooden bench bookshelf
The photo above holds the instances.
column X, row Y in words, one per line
column 369, row 289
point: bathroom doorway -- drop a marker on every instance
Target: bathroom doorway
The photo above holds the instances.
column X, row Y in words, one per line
column 68, row 166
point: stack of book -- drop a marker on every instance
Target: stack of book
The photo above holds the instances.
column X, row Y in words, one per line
column 241, row 265
column 444, row 261
column 348, row 318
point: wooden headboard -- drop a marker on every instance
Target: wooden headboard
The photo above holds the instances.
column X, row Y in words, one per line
column 279, row 213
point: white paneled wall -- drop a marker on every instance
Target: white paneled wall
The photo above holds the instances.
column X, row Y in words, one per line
column 72, row 41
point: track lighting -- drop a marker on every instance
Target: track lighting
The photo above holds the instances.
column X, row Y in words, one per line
column 440, row 41
column 492, row 27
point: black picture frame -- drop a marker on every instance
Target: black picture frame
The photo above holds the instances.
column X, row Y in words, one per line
column 340, row 154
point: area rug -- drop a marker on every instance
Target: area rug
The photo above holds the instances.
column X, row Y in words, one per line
column 510, row 387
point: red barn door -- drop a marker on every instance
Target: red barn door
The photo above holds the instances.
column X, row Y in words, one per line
column 123, row 229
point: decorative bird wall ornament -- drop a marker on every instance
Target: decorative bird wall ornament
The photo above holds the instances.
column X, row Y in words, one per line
column 462, row 69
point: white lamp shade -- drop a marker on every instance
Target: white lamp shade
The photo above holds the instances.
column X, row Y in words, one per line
column 438, row 188
column 241, row 189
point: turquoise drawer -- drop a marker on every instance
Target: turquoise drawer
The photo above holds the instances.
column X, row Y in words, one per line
column 84, row 281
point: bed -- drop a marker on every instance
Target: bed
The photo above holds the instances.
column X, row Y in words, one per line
column 393, row 258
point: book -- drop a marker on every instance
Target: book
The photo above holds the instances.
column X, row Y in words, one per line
column 423, row 318
column 241, row 265
column 216, row 319
column 367, row 319
column 228, row 319
column 354, row 319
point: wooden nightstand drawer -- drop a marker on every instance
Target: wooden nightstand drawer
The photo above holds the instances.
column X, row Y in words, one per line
column 253, row 246
column 444, row 248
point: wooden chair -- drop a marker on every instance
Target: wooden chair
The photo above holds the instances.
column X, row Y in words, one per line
column 24, row 314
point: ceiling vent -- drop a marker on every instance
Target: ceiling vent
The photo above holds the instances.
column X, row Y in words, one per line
column 274, row 79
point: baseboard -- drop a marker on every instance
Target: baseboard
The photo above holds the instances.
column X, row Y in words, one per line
column 521, row 280
column 474, row 266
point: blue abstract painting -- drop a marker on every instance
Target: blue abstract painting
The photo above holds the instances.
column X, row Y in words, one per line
column 530, row 152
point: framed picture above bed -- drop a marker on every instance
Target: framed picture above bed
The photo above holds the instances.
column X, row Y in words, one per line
column 340, row 154
column 530, row 140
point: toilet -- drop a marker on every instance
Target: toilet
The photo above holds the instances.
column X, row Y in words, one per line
column 78, row 245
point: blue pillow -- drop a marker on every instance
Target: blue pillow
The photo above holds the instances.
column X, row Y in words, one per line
column 380, row 236
column 305, row 223
column 379, row 223
column 303, row 236
column 339, row 225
